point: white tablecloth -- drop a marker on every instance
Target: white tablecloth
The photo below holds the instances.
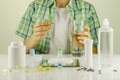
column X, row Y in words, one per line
column 60, row 74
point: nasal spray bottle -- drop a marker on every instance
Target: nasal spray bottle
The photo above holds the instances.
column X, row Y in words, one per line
column 60, row 54
column 32, row 54
column 105, row 45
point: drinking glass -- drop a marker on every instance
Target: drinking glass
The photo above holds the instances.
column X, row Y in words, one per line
column 76, row 52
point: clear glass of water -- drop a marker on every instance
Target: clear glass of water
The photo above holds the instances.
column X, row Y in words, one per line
column 76, row 51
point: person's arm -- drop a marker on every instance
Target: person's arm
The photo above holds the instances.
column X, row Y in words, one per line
column 84, row 35
column 30, row 43
column 94, row 24
column 40, row 31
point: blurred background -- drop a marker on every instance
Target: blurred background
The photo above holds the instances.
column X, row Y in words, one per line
column 11, row 12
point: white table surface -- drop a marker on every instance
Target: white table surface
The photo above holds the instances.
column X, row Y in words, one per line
column 60, row 74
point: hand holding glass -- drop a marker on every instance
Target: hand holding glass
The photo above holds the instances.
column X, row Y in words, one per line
column 78, row 40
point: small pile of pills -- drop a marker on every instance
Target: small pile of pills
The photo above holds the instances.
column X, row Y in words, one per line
column 39, row 69
column 43, row 69
column 90, row 70
column 48, row 68
column 86, row 69
column 19, row 68
column 7, row 70
column 28, row 70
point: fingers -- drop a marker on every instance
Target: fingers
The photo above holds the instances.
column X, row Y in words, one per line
column 42, row 33
column 86, row 35
column 40, row 24
column 73, row 30
column 82, row 36
column 81, row 40
column 41, row 29
column 86, row 29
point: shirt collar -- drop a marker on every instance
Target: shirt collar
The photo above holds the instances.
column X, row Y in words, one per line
column 72, row 4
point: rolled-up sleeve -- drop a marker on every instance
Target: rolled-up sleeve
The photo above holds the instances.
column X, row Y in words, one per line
column 93, row 23
column 25, row 27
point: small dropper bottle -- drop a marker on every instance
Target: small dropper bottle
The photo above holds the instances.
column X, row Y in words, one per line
column 32, row 54
column 60, row 54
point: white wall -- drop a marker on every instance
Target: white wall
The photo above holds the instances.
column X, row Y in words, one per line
column 110, row 9
column 11, row 12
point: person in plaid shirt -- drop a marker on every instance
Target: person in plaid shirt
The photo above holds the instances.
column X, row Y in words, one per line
column 47, row 25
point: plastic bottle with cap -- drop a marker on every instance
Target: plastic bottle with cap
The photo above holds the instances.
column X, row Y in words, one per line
column 32, row 52
column 105, row 45
column 31, row 61
column 16, row 55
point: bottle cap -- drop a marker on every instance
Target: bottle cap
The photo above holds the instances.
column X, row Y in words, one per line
column 59, row 51
column 16, row 44
column 105, row 23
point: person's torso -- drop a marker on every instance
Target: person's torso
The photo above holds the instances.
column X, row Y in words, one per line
column 47, row 12
column 60, row 36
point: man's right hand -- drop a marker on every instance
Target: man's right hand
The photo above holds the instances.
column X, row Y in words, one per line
column 41, row 29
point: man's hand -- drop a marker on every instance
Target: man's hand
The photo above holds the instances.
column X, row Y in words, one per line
column 79, row 37
column 41, row 29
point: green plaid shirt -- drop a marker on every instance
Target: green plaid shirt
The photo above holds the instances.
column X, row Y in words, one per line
column 40, row 10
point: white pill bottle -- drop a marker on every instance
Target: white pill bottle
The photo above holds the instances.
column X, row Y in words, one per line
column 16, row 55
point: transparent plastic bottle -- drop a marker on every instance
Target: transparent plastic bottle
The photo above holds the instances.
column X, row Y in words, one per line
column 60, row 63
column 105, row 45
column 31, row 61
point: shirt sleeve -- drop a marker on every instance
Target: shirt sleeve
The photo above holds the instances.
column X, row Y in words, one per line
column 25, row 27
column 94, row 24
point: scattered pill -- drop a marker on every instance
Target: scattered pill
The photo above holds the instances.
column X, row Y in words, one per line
column 10, row 70
column 114, row 70
column 85, row 68
column 19, row 67
column 79, row 69
column 28, row 70
column 5, row 70
column 48, row 68
column 99, row 71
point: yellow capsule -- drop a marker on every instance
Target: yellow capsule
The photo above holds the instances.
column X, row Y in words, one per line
column 19, row 67
column 10, row 70
column 5, row 70
column 48, row 68
column 39, row 69
column 28, row 70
